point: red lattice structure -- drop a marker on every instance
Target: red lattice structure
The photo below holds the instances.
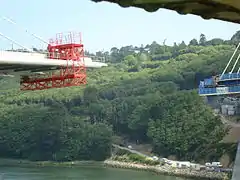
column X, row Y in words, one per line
column 64, row 48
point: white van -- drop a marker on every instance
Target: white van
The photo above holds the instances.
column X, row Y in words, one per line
column 216, row 164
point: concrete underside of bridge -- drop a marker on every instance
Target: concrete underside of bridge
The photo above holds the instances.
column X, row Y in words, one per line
column 227, row 10
column 18, row 68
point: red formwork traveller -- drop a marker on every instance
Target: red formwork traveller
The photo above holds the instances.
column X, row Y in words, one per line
column 67, row 48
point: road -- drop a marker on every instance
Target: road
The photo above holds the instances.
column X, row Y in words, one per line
column 225, row 121
column 230, row 123
column 234, row 132
column 130, row 150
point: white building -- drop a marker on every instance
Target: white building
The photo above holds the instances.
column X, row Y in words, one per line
column 179, row 164
column 228, row 109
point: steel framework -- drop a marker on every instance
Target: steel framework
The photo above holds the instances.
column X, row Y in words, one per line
column 64, row 48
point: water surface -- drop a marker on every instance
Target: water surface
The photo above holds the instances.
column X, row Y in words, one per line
column 78, row 173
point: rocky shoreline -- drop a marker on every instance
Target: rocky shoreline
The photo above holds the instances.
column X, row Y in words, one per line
column 168, row 170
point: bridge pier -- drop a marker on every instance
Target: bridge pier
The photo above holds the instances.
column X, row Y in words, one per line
column 236, row 168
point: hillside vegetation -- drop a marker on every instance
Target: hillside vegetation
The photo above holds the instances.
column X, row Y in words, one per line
column 146, row 95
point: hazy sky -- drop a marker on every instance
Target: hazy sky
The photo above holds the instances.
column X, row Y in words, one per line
column 103, row 25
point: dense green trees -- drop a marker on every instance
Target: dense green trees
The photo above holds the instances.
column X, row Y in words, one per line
column 184, row 126
column 147, row 95
column 39, row 132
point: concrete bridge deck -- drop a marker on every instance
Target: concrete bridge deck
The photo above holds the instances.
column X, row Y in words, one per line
column 10, row 61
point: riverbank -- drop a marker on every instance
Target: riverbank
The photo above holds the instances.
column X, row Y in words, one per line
column 167, row 170
column 20, row 162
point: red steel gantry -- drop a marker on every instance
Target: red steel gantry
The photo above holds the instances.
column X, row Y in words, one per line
column 70, row 49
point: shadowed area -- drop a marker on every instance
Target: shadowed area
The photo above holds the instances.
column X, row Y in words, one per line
column 226, row 10
column 236, row 171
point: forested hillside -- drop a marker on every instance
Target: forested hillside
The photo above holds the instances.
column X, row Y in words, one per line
column 146, row 95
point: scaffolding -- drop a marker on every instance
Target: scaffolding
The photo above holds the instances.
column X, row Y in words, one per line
column 68, row 48
column 64, row 47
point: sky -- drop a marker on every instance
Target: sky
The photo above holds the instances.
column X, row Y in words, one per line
column 103, row 25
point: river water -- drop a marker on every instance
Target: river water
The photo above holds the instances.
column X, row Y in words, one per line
column 77, row 173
